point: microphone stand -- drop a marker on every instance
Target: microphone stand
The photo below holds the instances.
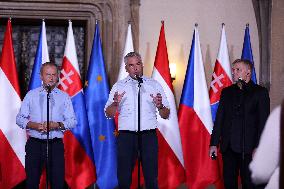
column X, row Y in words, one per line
column 47, row 135
column 139, row 129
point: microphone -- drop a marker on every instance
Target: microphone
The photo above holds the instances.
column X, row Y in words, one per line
column 139, row 79
column 241, row 83
column 240, row 80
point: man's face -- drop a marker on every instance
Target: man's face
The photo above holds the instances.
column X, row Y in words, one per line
column 134, row 67
column 241, row 70
column 49, row 76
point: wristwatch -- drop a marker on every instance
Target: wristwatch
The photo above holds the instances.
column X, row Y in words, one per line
column 161, row 107
column 61, row 127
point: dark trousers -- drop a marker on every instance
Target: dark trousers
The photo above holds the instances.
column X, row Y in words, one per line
column 127, row 144
column 233, row 164
column 36, row 159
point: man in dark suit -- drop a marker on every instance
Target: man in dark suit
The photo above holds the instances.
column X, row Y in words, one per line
column 241, row 116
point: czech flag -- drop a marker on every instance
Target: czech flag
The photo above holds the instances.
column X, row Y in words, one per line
column 195, row 122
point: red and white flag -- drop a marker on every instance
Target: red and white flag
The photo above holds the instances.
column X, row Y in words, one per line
column 12, row 138
column 170, row 160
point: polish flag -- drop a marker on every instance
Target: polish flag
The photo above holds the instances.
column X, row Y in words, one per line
column 170, row 160
column 195, row 122
column 79, row 162
column 12, row 138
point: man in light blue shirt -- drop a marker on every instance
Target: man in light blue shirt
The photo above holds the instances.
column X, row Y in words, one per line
column 124, row 99
column 33, row 117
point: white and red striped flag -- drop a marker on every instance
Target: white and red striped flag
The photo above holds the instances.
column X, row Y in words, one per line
column 170, row 160
column 12, row 138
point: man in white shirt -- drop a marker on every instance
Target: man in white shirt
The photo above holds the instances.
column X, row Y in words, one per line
column 123, row 98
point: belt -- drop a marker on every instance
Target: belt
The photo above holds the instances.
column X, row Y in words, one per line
column 136, row 132
column 44, row 140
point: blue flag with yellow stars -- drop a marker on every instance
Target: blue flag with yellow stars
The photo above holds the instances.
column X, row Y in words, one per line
column 247, row 53
column 102, row 129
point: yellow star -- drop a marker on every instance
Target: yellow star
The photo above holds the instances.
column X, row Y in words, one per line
column 102, row 137
column 115, row 133
column 86, row 83
column 99, row 78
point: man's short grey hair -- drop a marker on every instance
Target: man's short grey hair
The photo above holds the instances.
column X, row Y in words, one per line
column 132, row 54
column 49, row 64
column 245, row 62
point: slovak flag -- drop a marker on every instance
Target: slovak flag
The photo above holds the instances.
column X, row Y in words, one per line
column 222, row 75
column 79, row 162
column 170, row 160
column 12, row 137
column 40, row 58
column 195, row 122
column 221, row 78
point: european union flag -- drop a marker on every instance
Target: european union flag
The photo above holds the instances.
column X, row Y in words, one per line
column 101, row 128
column 40, row 58
column 247, row 53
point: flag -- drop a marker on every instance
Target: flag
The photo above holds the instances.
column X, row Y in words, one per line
column 121, row 75
column 79, row 161
column 40, row 58
column 221, row 78
column 127, row 49
column 12, row 138
column 122, row 72
column 101, row 128
column 170, row 157
column 247, row 53
column 195, row 122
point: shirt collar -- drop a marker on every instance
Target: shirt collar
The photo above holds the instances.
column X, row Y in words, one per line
column 130, row 79
column 54, row 90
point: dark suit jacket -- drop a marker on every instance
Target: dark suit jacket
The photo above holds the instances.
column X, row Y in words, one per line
column 255, row 110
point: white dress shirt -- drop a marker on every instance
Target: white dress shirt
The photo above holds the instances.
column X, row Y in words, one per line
column 128, row 107
column 34, row 109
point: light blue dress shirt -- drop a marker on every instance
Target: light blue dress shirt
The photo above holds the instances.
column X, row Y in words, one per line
column 34, row 109
column 128, row 107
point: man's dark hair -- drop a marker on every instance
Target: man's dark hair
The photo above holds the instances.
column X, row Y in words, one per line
column 133, row 54
column 48, row 64
column 244, row 61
